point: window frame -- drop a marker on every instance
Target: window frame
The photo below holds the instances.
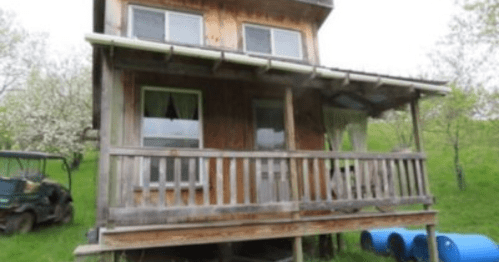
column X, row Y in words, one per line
column 272, row 42
column 166, row 13
column 269, row 103
column 199, row 93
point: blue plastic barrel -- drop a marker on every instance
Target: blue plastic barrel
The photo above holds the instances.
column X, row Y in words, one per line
column 466, row 248
column 376, row 240
column 420, row 248
column 402, row 243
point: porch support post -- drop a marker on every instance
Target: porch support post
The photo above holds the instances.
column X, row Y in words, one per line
column 105, row 141
column 432, row 243
column 291, row 142
column 416, row 118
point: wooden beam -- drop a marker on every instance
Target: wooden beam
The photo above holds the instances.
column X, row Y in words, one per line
column 105, row 141
column 416, row 118
column 291, row 142
column 432, row 243
column 154, row 215
column 229, row 231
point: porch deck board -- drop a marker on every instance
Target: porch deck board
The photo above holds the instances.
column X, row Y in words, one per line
column 228, row 231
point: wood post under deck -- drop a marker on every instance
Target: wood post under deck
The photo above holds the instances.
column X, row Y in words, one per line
column 291, row 142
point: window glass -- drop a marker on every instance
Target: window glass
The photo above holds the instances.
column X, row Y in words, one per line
column 286, row 43
column 148, row 24
column 171, row 120
column 185, row 28
column 269, row 127
column 258, row 40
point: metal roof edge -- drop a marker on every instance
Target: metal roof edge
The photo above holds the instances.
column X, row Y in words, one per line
column 238, row 58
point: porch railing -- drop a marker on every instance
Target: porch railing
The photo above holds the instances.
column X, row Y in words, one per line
column 209, row 182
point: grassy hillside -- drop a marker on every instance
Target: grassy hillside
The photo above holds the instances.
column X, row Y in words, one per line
column 57, row 242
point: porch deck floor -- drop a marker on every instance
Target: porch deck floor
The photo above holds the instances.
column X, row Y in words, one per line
column 140, row 237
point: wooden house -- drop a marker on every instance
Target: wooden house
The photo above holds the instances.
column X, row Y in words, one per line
column 213, row 116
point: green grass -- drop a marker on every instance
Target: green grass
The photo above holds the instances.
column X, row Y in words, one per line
column 475, row 210
column 56, row 242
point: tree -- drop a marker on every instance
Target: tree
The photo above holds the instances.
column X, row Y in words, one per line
column 453, row 120
column 19, row 52
column 53, row 109
column 486, row 19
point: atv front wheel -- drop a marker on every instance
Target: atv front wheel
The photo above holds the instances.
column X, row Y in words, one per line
column 19, row 223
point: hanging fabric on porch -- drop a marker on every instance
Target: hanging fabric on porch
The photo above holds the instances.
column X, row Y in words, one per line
column 337, row 120
column 185, row 105
column 357, row 131
column 156, row 103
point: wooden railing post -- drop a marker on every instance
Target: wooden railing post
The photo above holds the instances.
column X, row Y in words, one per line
column 291, row 142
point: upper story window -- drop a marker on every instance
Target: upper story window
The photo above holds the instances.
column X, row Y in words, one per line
column 272, row 41
column 162, row 25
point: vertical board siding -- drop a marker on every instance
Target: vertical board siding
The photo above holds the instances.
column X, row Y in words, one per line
column 339, row 179
column 347, row 179
column 327, row 179
column 403, row 178
column 271, row 180
column 367, row 180
column 386, row 184
column 357, row 173
column 246, row 181
column 258, row 167
column 316, row 180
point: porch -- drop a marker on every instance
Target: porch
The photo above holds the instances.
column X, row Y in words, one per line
column 226, row 185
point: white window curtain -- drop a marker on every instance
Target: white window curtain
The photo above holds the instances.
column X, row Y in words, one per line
column 185, row 105
column 156, row 103
column 337, row 121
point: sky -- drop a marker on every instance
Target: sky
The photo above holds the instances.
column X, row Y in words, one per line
column 383, row 36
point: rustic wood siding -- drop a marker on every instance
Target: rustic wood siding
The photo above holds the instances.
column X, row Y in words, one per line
column 227, row 117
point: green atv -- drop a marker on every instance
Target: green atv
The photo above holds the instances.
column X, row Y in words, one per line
column 27, row 196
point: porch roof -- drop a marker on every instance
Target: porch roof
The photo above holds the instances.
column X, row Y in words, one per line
column 266, row 64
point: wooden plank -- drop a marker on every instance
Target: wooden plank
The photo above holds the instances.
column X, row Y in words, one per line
column 258, row 176
column 342, row 204
column 233, row 180
column 367, row 179
column 306, row 185
column 245, row 231
column 411, row 178
column 220, row 182
column 146, row 180
column 284, row 187
column 357, row 179
column 316, row 180
column 246, row 181
column 327, row 179
column 376, row 178
column 215, row 153
column 206, row 185
column 154, row 215
column 432, row 243
column 271, row 180
column 339, row 179
column 192, row 181
column 162, row 181
column 417, row 165
column 386, row 183
column 136, row 179
column 105, row 140
column 415, row 124
column 425, row 178
column 403, row 178
column 347, row 179
column 120, row 184
column 129, row 169
column 177, row 176
column 393, row 179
